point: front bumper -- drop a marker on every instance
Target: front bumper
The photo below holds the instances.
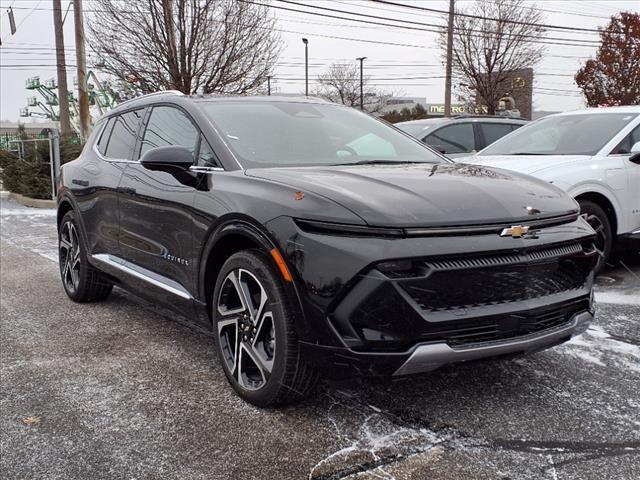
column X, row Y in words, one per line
column 370, row 304
column 425, row 358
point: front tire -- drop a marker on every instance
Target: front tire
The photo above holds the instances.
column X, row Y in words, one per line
column 254, row 327
column 597, row 218
column 80, row 280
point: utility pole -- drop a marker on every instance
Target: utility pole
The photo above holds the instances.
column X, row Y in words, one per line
column 306, row 66
column 269, row 85
column 447, row 86
column 63, row 91
column 81, row 60
column 361, row 60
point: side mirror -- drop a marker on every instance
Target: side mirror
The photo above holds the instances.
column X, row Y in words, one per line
column 635, row 153
column 167, row 158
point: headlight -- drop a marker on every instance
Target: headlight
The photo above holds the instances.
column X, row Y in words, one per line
column 347, row 230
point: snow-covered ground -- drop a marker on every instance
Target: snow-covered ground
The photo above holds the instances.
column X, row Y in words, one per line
column 120, row 392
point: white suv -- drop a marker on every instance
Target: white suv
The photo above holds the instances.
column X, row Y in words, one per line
column 592, row 154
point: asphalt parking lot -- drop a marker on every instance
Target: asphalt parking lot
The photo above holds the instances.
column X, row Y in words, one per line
column 120, row 390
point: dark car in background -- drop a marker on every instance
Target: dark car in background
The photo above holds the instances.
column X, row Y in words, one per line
column 305, row 236
column 461, row 135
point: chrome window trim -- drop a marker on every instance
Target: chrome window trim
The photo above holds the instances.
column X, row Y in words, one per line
column 198, row 168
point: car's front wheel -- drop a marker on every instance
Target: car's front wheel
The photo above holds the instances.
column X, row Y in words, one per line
column 597, row 218
column 255, row 332
column 80, row 280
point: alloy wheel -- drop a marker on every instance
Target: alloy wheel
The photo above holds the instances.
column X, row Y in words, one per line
column 246, row 329
column 600, row 242
column 70, row 256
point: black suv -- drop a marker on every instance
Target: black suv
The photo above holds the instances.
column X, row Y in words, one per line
column 462, row 135
column 299, row 233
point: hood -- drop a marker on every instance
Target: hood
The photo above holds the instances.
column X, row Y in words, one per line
column 426, row 195
column 527, row 164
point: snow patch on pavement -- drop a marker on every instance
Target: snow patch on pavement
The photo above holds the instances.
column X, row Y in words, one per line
column 596, row 346
column 619, row 297
column 28, row 212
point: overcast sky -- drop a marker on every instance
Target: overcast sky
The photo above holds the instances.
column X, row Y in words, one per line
column 397, row 60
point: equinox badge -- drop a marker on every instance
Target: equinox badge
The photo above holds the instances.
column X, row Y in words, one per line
column 515, row 231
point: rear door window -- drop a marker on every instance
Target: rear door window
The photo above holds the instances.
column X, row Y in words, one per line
column 104, row 136
column 123, row 136
column 456, row 138
column 493, row 131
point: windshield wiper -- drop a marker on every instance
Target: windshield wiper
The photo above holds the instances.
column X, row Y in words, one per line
column 529, row 153
column 379, row 162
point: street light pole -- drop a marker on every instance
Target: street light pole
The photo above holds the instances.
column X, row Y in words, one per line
column 361, row 60
column 306, row 66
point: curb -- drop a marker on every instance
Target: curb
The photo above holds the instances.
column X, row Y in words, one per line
column 32, row 202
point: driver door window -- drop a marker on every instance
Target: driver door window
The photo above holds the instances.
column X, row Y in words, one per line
column 624, row 147
column 169, row 126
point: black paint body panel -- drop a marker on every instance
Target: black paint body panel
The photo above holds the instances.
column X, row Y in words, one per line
column 169, row 224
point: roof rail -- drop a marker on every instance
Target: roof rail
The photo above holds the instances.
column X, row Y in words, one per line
column 161, row 92
column 472, row 115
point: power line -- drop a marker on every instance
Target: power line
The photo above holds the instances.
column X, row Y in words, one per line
column 441, row 28
column 480, row 17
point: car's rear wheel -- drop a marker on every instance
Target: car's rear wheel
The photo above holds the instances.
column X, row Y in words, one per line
column 597, row 218
column 80, row 280
column 255, row 333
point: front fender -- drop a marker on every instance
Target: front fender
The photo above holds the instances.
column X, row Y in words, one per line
column 241, row 225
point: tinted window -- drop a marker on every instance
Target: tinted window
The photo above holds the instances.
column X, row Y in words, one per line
column 265, row 133
column 494, row 131
column 456, row 138
column 104, row 137
column 624, row 147
column 123, row 135
column 579, row 134
column 206, row 156
column 169, row 126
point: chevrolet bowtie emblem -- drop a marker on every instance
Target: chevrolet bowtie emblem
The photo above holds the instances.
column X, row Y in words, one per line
column 515, row 231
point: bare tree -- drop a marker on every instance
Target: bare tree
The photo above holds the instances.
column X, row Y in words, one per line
column 341, row 84
column 494, row 40
column 213, row 46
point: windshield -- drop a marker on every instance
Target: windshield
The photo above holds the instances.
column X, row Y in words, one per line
column 580, row 134
column 275, row 134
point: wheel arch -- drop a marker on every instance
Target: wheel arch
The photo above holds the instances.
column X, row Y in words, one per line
column 63, row 207
column 230, row 236
column 604, row 202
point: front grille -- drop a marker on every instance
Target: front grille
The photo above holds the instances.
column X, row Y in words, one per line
column 469, row 282
column 502, row 327
column 465, row 299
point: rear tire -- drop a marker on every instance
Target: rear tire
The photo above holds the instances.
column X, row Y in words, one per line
column 81, row 281
column 597, row 218
column 255, row 333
